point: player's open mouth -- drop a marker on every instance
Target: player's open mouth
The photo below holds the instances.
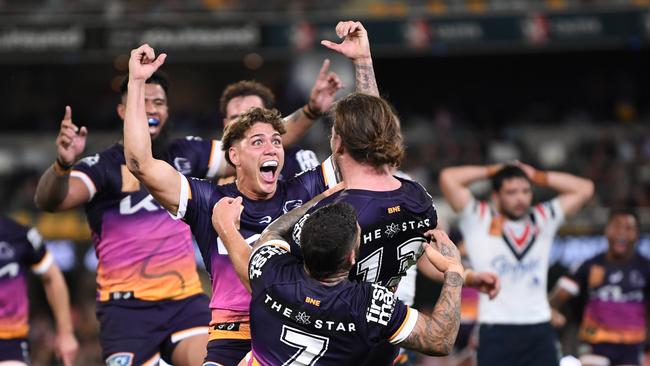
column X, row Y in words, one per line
column 268, row 169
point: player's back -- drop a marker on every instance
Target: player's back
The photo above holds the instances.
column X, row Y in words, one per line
column 392, row 227
column 300, row 321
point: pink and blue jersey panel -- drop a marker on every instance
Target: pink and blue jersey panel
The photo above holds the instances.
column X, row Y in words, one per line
column 143, row 252
column 21, row 248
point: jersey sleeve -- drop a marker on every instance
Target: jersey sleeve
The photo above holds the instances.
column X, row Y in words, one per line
column 319, row 179
column 36, row 254
column 92, row 171
column 388, row 318
column 267, row 262
column 198, row 158
column 472, row 214
column 550, row 214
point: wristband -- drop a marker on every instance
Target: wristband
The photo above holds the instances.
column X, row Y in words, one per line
column 493, row 169
column 60, row 168
column 540, row 178
column 310, row 113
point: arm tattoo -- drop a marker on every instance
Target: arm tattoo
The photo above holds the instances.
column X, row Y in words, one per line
column 366, row 82
column 446, row 251
column 293, row 117
column 435, row 334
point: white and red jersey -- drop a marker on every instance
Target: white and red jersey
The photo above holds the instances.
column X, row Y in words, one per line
column 518, row 251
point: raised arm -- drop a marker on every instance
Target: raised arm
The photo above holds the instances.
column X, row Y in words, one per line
column 435, row 334
column 321, row 98
column 455, row 181
column 56, row 190
column 160, row 178
column 356, row 47
column 225, row 219
column 57, row 296
column 573, row 191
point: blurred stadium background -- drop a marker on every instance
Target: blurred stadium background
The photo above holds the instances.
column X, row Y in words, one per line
column 560, row 84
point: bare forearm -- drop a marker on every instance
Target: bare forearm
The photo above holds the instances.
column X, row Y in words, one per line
column 137, row 142
column 297, row 124
column 568, row 183
column 435, row 335
column 455, row 181
column 56, row 292
column 365, row 79
column 51, row 190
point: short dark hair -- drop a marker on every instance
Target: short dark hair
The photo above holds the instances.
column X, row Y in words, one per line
column 505, row 173
column 157, row 77
column 245, row 88
column 369, row 130
column 623, row 211
column 236, row 130
column 326, row 239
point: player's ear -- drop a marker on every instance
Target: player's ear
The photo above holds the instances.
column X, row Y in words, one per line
column 352, row 257
column 121, row 110
column 233, row 154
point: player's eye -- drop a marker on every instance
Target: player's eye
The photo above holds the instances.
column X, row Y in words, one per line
column 257, row 142
column 277, row 141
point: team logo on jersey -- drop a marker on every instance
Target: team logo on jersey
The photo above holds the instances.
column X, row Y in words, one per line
column 90, row 160
column 392, row 230
column 183, row 165
column 290, row 205
column 392, row 210
column 519, row 245
column 636, row 278
column 303, row 318
column 120, row 359
column 6, row 251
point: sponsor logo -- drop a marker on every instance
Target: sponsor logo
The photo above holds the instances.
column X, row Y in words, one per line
column 381, row 305
column 228, row 327
column 121, row 295
column 6, row 251
column 183, row 165
column 90, row 160
column 120, row 359
column 260, row 258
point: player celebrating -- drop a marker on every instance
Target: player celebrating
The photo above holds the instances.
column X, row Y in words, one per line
column 239, row 97
column 150, row 302
column 253, row 145
column 513, row 239
column 310, row 313
column 20, row 249
column 615, row 283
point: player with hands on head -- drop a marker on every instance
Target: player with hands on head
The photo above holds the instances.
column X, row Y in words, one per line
column 512, row 237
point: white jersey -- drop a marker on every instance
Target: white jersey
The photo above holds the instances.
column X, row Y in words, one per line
column 518, row 251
